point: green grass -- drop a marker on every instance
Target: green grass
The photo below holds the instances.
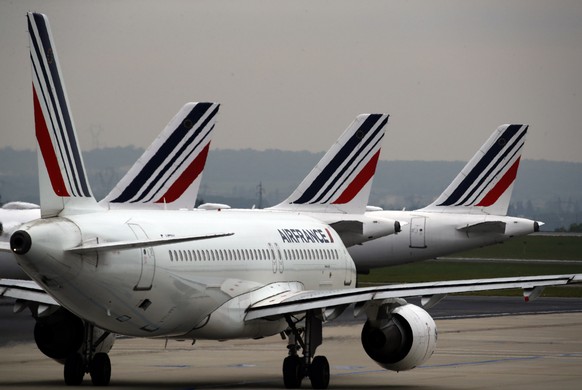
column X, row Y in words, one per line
column 530, row 247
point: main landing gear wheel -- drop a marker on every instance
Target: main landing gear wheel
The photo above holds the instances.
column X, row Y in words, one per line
column 319, row 372
column 100, row 369
column 74, row 369
column 97, row 364
column 295, row 368
column 292, row 372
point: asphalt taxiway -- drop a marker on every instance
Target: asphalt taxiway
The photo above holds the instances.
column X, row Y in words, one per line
column 534, row 351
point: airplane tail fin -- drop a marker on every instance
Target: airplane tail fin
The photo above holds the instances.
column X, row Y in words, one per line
column 342, row 180
column 63, row 180
column 486, row 183
column 169, row 172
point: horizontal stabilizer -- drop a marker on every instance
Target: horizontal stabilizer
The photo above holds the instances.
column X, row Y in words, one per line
column 18, row 205
column 115, row 246
column 484, row 227
column 362, row 228
column 5, row 246
column 25, row 290
column 213, row 206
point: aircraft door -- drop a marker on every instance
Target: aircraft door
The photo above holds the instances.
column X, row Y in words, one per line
column 417, row 232
column 280, row 258
column 274, row 258
column 348, row 267
column 148, row 261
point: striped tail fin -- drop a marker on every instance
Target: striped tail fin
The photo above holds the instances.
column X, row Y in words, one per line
column 169, row 172
column 342, row 180
column 486, row 183
column 62, row 176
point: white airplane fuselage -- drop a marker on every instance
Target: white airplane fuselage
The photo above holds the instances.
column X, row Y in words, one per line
column 428, row 235
column 193, row 289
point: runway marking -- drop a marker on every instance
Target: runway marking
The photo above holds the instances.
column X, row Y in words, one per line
column 504, row 314
column 490, row 361
column 172, row 366
column 242, row 365
column 461, row 364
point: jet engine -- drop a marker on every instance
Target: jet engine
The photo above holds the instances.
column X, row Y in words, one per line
column 399, row 339
column 61, row 334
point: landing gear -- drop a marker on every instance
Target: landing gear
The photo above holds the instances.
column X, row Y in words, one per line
column 293, row 372
column 295, row 368
column 100, row 369
column 74, row 369
column 97, row 364
column 319, row 372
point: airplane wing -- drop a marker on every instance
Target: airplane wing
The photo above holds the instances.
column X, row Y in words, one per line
column 25, row 290
column 290, row 302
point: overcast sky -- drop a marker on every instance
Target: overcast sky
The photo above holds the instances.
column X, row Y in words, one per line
column 292, row 75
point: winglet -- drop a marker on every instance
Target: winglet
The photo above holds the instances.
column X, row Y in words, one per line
column 169, row 172
column 342, row 180
column 486, row 183
column 62, row 177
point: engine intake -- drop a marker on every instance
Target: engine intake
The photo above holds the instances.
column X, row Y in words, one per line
column 403, row 340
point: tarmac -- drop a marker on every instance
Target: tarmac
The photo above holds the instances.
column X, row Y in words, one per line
column 518, row 352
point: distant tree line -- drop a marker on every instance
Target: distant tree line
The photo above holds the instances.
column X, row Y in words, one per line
column 574, row 228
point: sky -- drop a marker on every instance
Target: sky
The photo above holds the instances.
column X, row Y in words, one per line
column 292, row 75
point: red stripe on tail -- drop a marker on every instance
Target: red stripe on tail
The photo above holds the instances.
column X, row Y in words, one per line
column 47, row 150
column 501, row 186
column 186, row 178
column 359, row 181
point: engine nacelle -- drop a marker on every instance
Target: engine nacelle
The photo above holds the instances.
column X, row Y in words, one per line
column 62, row 333
column 403, row 340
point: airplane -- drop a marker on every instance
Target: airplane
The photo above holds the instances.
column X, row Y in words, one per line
column 175, row 162
column 166, row 176
column 337, row 189
column 181, row 274
column 470, row 213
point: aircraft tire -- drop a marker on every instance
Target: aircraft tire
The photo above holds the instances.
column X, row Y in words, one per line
column 100, row 369
column 292, row 372
column 74, row 370
column 319, row 372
